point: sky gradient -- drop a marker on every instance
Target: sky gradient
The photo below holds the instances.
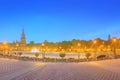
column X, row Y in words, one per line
column 57, row 20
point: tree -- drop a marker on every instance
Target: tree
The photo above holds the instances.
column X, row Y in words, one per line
column 62, row 55
column 8, row 53
column 32, row 42
column 88, row 55
column 20, row 53
column 36, row 55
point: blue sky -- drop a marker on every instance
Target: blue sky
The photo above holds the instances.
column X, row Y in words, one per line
column 57, row 20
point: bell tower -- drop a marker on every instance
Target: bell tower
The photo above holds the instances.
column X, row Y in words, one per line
column 23, row 40
column 109, row 37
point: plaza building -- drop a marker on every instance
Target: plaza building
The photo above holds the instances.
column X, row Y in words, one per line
column 21, row 46
column 15, row 46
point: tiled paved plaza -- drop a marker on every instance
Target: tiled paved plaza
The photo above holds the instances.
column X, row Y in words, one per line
column 25, row 70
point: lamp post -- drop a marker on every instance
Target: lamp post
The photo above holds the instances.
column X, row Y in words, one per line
column 78, row 50
column 17, row 45
column 114, row 47
column 71, row 48
column 60, row 48
column 4, row 47
column 43, row 50
column 94, row 43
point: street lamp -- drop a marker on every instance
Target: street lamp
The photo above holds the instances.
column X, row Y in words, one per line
column 94, row 43
column 43, row 50
column 114, row 44
column 4, row 44
column 17, row 45
column 78, row 50
column 71, row 48
column 60, row 48
column 114, row 40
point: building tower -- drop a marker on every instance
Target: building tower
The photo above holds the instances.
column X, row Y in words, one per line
column 109, row 37
column 23, row 40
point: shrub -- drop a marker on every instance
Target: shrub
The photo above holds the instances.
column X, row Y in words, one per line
column 20, row 53
column 62, row 55
column 101, row 56
column 36, row 54
column 117, row 56
column 87, row 55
